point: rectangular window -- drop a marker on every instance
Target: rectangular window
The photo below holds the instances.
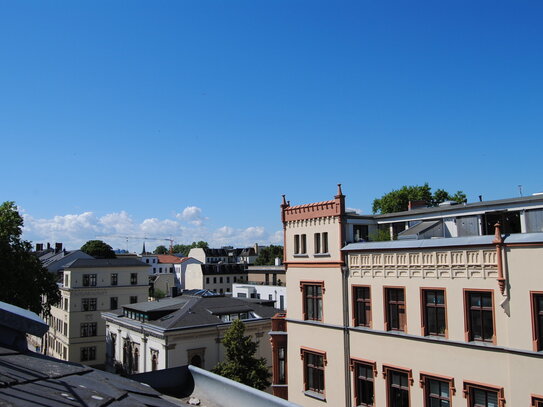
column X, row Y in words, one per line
column 480, row 395
column 227, row 280
column 88, row 353
column 88, row 304
column 88, row 329
column 317, row 242
column 480, row 316
column 364, row 375
column 537, row 401
column 113, row 303
column 437, row 390
column 296, row 244
column 325, row 242
column 303, row 244
column 395, row 309
column 314, row 371
column 398, row 382
column 537, row 317
column 207, row 280
column 65, row 329
column 133, row 299
column 362, row 306
column 220, row 280
column 133, row 278
column 89, row 280
column 360, row 233
column 312, row 300
column 214, row 280
column 114, row 278
column 434, row 312
column 282, row 360
column 65, row 304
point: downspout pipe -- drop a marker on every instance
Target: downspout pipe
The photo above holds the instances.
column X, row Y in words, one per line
column 498, row 241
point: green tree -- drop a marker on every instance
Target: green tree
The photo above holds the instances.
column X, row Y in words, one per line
column 241, row 365
column 398, row 200
column 161, row 250
column 98, row 249
column 184, row 249
column 267, row 255
column 27, row 284
column 379, row 235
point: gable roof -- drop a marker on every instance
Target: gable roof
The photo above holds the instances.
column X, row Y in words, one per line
column 90, row 263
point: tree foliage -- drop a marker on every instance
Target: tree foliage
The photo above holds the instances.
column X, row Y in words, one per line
column 379, row 235
column 26, row 283
column 240, row 364
column 398, row 199
column 267, row 255
column 161, row 250
column 184, row 249
column 98, row 249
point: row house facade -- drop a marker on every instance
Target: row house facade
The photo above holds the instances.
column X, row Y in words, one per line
column 420, row 321
column 88, row 287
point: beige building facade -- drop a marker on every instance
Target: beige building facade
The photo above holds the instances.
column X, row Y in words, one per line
column 440, row 321
column 90, row 286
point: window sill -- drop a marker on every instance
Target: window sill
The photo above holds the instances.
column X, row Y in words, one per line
column 322, row 254
column 315, row 395
column 300, row 255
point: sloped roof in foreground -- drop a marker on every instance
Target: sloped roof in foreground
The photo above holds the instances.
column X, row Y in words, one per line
column 30, row 379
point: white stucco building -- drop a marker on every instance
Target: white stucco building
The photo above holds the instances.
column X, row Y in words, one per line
column 181, row 330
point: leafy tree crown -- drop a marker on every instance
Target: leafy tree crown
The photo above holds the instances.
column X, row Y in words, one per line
column 241, row 365
column 29, row 284
column 98, row 249
column 398, row 200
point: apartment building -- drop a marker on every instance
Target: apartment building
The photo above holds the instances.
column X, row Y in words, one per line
column 448, row 314
column 214, row 277
column 90, row 286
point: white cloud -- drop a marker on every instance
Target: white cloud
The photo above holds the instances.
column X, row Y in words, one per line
column 119, row 230
column 193, row 215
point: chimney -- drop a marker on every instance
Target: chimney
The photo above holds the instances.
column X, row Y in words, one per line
column 256, row 248
column 277, row 261
column 39, row 247
column 417, row 204
column 58, row 247
column 48, row 245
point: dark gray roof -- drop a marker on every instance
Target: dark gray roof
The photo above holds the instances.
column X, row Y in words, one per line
column 229, row 268
column 90, row 263
column 200, row 311
column 443, row 242
column 30, row 379
column 419, row 228
column 160, row 305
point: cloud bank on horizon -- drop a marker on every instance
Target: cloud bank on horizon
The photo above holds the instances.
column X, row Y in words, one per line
column 73, row 230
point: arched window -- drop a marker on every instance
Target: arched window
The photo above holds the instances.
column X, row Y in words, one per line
column 136, row 359
column 154, row 361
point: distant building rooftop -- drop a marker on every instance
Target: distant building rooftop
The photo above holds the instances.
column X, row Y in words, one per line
column 91, row 263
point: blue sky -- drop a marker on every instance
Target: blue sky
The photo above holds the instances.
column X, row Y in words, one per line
column 190, row 118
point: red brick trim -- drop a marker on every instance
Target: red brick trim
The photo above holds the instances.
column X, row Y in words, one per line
column 424, row 376
column 537, row 401
column 423, row 309
column 466, row 312
column 353, row 305
column 536, row 342
column 468, row 386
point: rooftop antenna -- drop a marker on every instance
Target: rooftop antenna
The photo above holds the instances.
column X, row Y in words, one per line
column 520, row 189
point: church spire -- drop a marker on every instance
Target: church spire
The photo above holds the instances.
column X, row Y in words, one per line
column 143, row 250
